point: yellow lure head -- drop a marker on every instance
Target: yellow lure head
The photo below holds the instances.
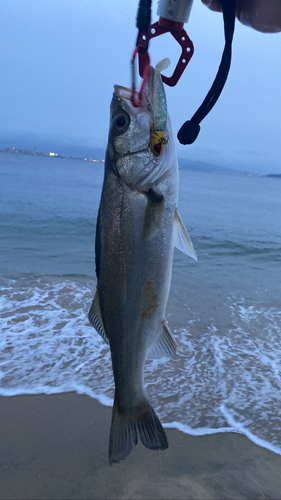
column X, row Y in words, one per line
column 157, row 141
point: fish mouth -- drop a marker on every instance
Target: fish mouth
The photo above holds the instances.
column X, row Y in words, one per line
column 123, row 92
column 133, row 153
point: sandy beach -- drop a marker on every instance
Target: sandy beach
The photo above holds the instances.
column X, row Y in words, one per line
column 55, row 447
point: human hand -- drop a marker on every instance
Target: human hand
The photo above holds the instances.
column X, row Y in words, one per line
column 262, row 15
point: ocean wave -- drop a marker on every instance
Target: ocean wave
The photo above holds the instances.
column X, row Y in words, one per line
column 223, row 379
column 213, row 246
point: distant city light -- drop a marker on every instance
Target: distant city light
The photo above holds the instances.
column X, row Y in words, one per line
column 43, row 153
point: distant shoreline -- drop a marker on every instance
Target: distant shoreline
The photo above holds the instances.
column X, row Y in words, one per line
column 277, row 176
column 197, row 166
column 28, row 152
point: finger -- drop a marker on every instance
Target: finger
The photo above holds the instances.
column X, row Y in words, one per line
column 261, row 15
column 264, row 16
column 213, row 5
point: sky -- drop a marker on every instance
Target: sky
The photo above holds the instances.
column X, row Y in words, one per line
column 60, row 59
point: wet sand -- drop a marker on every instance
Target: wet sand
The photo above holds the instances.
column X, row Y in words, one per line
column 55, row 447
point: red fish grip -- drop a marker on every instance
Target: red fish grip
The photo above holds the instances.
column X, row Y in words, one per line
column 180, row 35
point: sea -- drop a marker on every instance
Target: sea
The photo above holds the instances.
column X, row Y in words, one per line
column 224, row 310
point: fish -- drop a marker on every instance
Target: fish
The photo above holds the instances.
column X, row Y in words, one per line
column 138, row 227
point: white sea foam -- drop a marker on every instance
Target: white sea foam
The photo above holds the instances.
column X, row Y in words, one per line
column 217, row 383
column 234, row 426
column 47, row 344
column 200, row 431
column 243, row 430
column 44, row 389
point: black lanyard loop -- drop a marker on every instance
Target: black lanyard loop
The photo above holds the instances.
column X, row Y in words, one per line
column 143, row 23
column 191, row 128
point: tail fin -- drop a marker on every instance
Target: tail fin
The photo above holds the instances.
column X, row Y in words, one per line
column 126, row 428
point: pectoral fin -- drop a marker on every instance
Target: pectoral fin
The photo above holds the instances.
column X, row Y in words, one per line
column 182, row 238
column 164, row 345
column 95, row 318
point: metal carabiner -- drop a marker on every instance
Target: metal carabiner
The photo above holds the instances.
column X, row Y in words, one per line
column 137, row 102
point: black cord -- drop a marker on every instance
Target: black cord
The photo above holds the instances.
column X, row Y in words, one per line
column 191, row 128
column 143, row 22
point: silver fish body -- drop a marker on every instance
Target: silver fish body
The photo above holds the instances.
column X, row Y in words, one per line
column 137, row 229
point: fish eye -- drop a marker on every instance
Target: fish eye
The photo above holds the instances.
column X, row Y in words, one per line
column 121, row 122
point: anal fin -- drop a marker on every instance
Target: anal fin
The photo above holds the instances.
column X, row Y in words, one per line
column 95, row 317
column 164, row 345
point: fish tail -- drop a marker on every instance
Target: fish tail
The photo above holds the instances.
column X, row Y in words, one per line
column 125, row 429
